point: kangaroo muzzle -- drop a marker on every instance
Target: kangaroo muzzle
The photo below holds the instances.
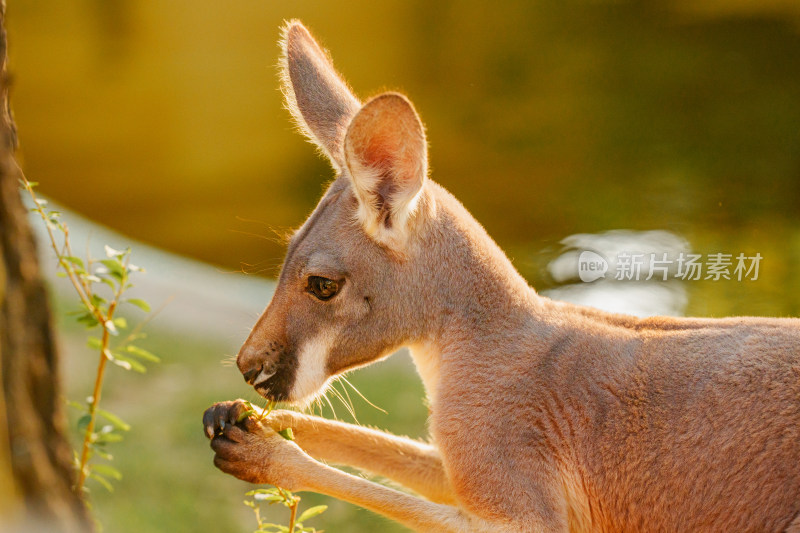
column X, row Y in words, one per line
column 268, row 368
column 258, row 376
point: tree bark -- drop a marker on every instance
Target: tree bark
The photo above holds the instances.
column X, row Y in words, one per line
column 36, row 475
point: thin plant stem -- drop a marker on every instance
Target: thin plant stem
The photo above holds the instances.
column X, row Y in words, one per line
column 291, row 502
column 84, row 291
column 265, row 411
column 79, row 288
column 293, row 516
column 258, row 518
column 83, row 470
column 98, row 387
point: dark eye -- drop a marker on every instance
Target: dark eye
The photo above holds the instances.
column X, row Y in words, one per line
column 323, row 288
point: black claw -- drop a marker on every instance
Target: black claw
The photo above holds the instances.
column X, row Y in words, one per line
column 208, row 422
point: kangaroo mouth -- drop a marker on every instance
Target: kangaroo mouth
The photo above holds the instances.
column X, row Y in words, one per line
column 264, row 376
column 270, row 392
column 275, row 383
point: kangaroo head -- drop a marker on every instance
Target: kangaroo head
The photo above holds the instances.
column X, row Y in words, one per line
column 344, row 294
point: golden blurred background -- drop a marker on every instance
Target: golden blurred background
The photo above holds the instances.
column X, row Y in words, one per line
column 164, row 120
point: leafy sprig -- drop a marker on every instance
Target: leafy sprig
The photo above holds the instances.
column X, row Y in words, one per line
column 287, row 499
column 277, row 494
column 101, row 285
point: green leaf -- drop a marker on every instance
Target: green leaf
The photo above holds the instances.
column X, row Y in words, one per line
column 103, row 481
column 74, row 260
column 128, row 363
column 288, row 496
column 245, row 414
column 261, row 491
column 88, row 319
column 105, row 438
column 141, row 304
column 249, row 504
column 114, row 419
column 311, row 512
column 94, row 343
column 143, row 354
column 107, row 471
column 267, row 498
column 277, row 527
column 84, row 421
column 115, row 268
column 104, row 455
column 287, row 434
column 79, row 406
column 121, row 322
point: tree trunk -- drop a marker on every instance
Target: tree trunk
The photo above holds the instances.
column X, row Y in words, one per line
column 36, row 475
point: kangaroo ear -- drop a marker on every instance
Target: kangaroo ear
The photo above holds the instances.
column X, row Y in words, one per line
column 387, row 157
column 316, row 96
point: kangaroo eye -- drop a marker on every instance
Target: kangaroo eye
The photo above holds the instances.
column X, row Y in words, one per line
column 323, row 288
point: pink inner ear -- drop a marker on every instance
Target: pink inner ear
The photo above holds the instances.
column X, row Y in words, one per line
column 386, row 135
column 380, row 152
column 393, row 146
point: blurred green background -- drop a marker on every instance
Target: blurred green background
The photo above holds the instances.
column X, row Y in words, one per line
column 163, row 120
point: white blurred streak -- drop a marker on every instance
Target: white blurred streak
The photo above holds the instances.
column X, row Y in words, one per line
column 611, row 243
column 632, row 298
column 640, row 298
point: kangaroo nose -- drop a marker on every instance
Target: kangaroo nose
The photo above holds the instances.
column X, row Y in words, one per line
column 258, row 362
column 250, row 375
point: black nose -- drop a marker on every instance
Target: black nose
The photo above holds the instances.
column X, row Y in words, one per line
column 250, row 375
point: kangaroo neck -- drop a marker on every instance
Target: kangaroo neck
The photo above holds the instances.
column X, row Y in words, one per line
column 470, row 289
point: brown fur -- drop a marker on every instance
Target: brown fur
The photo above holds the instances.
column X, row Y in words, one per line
column 546, row 416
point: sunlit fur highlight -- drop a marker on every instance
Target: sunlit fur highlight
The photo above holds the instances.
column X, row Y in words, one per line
column 327, row 81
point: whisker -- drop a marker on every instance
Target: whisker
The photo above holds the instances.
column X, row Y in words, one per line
column 341, row 399
column 325, row 396
column 256, row 235
column 316, row 404
column 345, row 380
column 349, row 400
column 309, row 407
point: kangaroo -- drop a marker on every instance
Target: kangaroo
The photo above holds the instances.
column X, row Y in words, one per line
column 545, row 416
